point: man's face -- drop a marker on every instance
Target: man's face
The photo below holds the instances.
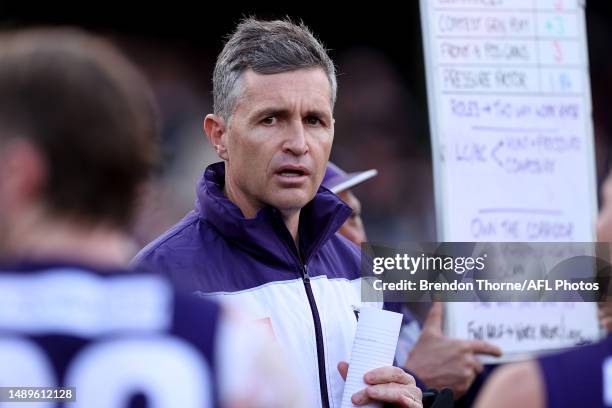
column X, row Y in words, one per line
column 279, row 138
column 353, row 227
column 604, row 220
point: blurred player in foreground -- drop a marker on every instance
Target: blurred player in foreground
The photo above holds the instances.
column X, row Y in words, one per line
column 77, row 140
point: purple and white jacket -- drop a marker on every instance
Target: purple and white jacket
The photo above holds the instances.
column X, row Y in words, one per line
column 306, row 296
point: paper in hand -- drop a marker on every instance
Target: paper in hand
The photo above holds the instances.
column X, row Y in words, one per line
column 373, row 347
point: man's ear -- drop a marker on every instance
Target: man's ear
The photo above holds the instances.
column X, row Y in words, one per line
column 214, row 127
column 25, row 171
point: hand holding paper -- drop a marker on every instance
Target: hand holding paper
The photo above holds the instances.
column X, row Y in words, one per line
column 370, row 378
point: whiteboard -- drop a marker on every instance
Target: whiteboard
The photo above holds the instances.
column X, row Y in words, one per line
column 512, row 140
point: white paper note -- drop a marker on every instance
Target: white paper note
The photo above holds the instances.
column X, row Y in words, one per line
column 374, row 346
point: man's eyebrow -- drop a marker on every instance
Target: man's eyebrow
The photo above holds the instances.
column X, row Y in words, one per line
column 318, row 113
column 277, row 111
column 268, row 111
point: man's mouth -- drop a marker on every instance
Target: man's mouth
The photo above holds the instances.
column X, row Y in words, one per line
column 293, row 170
column 291, row 173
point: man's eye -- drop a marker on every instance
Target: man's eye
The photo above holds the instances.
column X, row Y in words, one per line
column 270, row 120
column 313, row 120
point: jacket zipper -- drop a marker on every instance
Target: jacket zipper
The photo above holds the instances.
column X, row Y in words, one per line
column 318, row 337
column 315, row 314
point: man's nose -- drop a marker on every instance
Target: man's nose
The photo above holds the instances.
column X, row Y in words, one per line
column 295, row 139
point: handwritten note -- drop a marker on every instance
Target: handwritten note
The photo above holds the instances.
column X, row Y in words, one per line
column 510, row 113
column 374, row 346
column 522, row 329
column 512, row 138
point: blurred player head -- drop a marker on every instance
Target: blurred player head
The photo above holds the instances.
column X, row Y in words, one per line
column 77, row 129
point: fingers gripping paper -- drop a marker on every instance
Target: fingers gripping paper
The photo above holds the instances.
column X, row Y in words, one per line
column 373, row 347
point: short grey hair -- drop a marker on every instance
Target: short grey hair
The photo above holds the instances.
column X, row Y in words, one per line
column 266, row 47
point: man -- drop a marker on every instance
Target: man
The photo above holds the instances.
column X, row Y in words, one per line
column 340, row 183
column 77, row 139
column 262, row 235
column 437, row 360
column 579, row 377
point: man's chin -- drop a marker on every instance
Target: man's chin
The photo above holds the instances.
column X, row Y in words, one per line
column 291, row 202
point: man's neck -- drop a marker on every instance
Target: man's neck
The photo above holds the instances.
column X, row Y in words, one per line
column 66, row 241
column 249, row 210
column 292, row 222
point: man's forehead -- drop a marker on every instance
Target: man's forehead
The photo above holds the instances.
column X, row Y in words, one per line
column 311, row 84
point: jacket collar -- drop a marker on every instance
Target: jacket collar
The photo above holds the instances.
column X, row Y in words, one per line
column 266, row 234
